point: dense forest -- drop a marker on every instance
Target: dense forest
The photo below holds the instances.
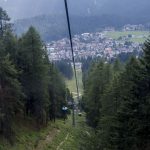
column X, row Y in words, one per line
column 117, row 104
column 30, row 86
column 65, row 68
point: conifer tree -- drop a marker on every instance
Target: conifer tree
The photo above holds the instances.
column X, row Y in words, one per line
column 57, row 93
column 11, row 46
column 10, row 89
column 4, row 22
column 34, row 77
column 98, row 79
column 128, row 115
column 10, row 96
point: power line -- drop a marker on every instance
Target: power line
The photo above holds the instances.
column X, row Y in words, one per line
column 73, row 58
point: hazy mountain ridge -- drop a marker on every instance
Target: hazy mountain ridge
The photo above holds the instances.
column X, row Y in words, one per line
column 55, row 27
column 85, row 15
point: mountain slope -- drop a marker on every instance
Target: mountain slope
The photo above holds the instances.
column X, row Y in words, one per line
column 85, row 15
column 55, row 27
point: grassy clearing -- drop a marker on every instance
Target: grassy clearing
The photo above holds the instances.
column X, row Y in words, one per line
column 71, row 84
column 49, row 138
column 139, row 36
column 69, row 137
column 27, row 136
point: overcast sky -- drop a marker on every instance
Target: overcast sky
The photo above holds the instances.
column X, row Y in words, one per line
column 27, row 8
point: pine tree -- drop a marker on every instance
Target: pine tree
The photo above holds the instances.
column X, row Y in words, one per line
column 34, row 78
column 110, row 103
column 65, row 68
column 11, row 46
column 128, row 115
column 4, row 22
column 98, row 79
column 57, row 93
column 10, row 96
column 117, row 67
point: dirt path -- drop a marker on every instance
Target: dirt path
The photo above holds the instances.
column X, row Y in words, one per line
column 66, row 138
column 43, row 143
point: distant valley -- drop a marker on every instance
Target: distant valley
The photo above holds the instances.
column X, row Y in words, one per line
column 108, row 44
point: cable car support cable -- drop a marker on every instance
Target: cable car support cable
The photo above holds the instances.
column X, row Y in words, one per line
column 73, row 58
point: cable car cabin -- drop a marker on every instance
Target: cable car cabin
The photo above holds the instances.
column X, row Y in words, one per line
column 80, row 114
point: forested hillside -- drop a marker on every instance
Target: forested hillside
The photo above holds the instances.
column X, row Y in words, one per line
column 117, row 104
column 65, row 68
column 55, row 27
column 31, row 88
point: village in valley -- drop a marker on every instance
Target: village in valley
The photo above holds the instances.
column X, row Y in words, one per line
column 108, row 43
